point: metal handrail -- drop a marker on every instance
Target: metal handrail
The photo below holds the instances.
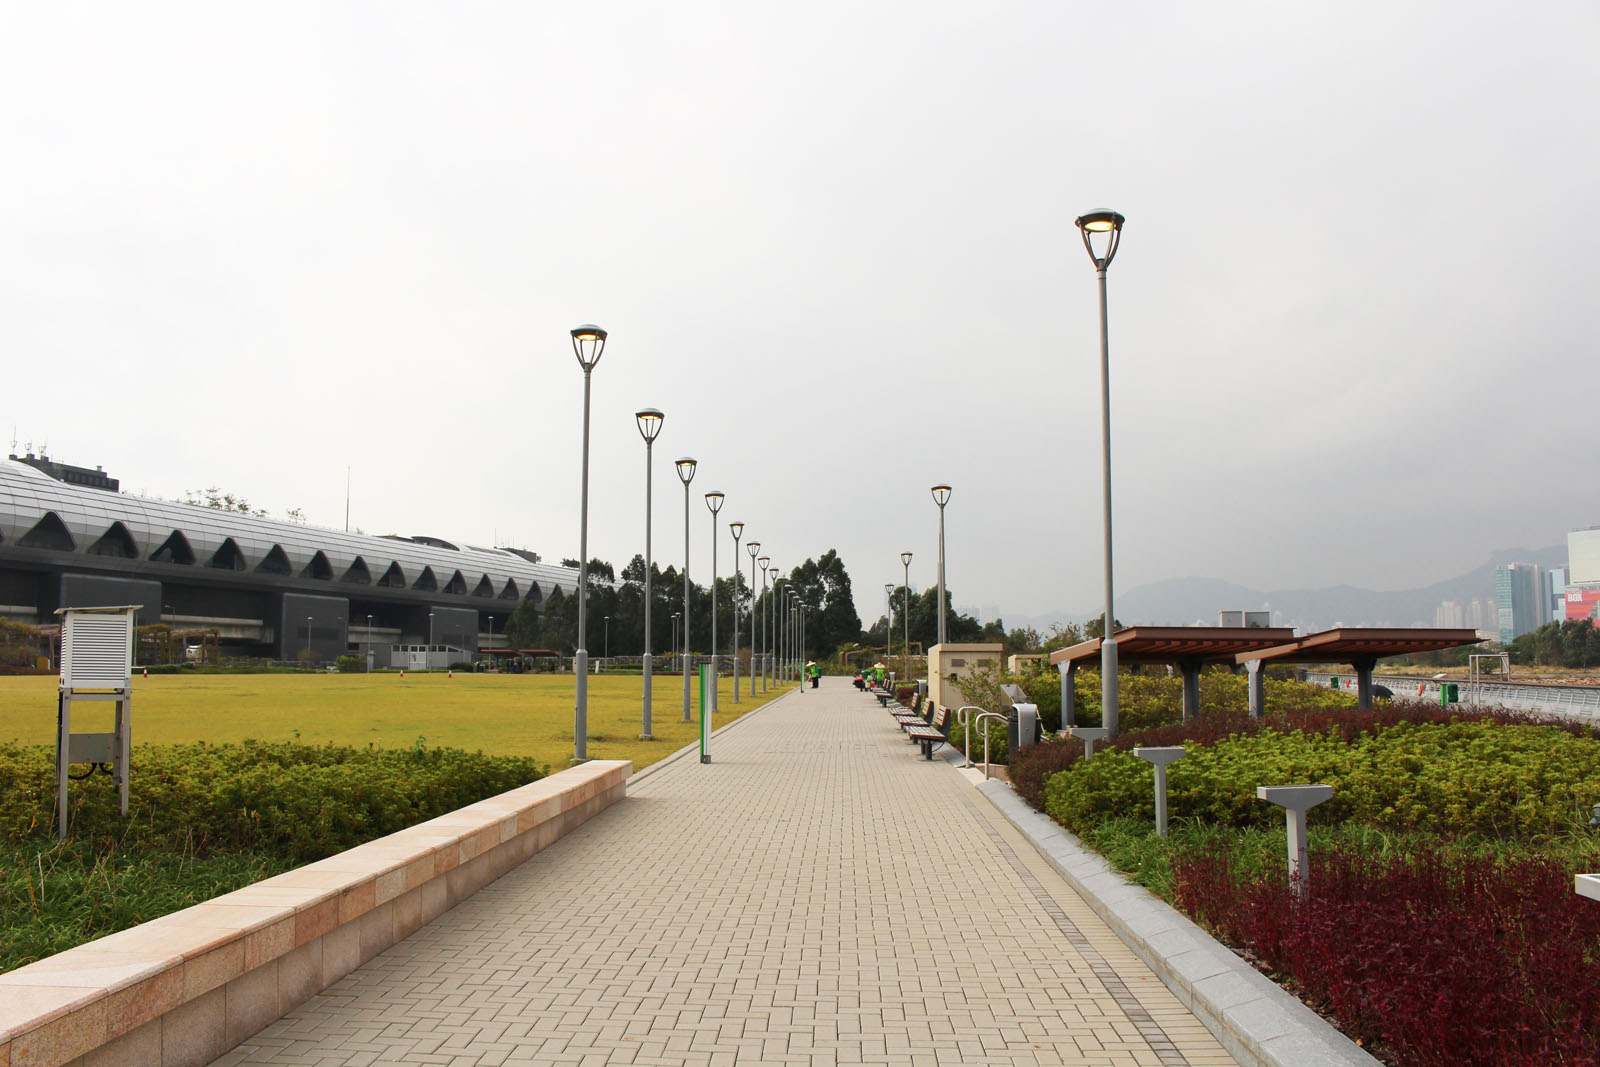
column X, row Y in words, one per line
column 980, row 717
column 962, row 718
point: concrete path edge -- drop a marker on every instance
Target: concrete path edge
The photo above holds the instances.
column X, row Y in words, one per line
column 1259, row 1023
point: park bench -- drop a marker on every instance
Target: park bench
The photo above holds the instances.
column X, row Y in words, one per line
column 932, row 733
column 908, row 717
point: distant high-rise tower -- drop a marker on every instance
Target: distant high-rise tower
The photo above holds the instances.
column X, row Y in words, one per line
column 1520, row 599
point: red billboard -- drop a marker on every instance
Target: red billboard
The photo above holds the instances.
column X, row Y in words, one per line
column 1583, row 604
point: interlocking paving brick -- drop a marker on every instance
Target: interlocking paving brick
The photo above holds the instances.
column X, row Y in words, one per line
column 817, row 895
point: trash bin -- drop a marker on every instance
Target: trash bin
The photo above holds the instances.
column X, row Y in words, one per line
column 1022, row 726
column 1449, row 693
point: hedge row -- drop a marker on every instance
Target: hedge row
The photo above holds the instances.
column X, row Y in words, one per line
column 290, row 801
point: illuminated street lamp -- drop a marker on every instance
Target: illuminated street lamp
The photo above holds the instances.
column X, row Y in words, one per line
column 686, row 468
column 1105, row 226
column 649, row 421
column 588, row 343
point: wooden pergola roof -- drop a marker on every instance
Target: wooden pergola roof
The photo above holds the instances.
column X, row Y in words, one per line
column 1350, row 643
column 1175, row 644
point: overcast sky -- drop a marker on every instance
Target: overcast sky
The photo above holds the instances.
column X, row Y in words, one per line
column 1353, row 318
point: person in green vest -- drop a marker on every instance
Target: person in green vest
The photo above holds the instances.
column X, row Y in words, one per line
column 814, row 672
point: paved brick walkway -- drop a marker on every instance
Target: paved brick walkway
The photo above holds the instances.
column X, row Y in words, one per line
column 785, row 904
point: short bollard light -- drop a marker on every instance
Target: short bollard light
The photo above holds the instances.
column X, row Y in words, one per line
column 1594, row 820
column 1089, row 735
column 1160, row 757
column 1296, row 800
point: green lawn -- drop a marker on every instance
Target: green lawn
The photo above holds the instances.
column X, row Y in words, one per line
column 511, row 714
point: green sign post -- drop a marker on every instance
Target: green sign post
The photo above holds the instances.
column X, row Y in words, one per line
column 707, row 698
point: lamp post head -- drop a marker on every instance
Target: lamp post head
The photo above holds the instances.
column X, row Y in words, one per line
column 941, row 495
column 888, row 587
column 764, row 560
column 905, row 558
column 686, row 467
column 649, row 421
column 1101, row 222
column 588, row 342
column 714, row 500
column 754, row 547
column 738, row 532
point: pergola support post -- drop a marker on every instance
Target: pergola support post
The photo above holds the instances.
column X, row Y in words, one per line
column 1258, row 688
column 1191, row 688
column 1069, row 690
column 1364, row 666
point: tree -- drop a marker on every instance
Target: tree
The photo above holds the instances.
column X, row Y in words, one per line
column 824, row 588
column 560, row 629
column 217, row 500
column 525, row 627
column 1096, row 627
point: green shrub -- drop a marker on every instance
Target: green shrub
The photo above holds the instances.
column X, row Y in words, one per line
column 290, row 801
column 351, row 664
column 1531, row 782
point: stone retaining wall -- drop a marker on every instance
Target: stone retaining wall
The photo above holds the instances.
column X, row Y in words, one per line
column 186, row 987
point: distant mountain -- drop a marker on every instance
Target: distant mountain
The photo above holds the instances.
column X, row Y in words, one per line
column 1184, row 601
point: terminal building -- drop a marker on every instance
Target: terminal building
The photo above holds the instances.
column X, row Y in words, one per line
column 270, row 588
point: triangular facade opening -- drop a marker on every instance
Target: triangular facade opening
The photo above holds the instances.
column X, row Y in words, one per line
column 358, row 573
column 426, row 582
column 275, row 562
column 228, row 557
column 319, row 569
column 117, row 542
column 175, row 549
column 49, row 532
column 393, row 578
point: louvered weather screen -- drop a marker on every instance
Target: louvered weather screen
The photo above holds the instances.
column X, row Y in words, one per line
column 97, row 650
column 96, row 666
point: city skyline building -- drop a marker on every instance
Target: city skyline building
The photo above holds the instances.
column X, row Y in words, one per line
column 1519, row 593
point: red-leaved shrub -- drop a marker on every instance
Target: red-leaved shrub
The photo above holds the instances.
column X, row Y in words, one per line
column 1434, row 959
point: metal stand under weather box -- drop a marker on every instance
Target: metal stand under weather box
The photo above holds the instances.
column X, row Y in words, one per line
column 96, row 664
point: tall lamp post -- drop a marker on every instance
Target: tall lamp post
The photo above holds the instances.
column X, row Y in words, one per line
column 686, row 467
column 714, row 504
column 799, row 642
column 766, row 621
column 736, row 528
column 888, row 621
column 941, row 496
column 778, row 647
column 753, row 548
column 905, row 618
column 1107, row 226
column 588, row 342
column 649, row 421
column 607, row 656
